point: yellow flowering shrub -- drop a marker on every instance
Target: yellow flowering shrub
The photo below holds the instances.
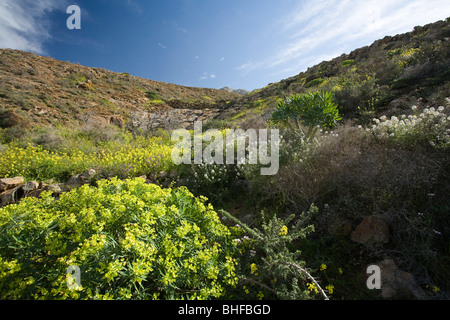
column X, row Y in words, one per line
column 143, row 156
column 130, row 240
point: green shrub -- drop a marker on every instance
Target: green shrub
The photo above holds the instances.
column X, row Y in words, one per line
column 270, row 266
column 314, row 110
column 314, row 82
column 215, row 181
column 152, row 95
column 347, row 63
column 131, row 240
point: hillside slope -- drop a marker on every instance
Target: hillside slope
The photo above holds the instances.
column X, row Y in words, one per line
column 386, row 77
column 40, row 90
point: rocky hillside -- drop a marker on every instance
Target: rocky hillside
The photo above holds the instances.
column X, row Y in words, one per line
column 238, row 91
column 384, row 78
column 40, row 90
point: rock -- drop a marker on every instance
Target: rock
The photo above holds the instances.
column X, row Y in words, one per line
column 398, row 284
column 371, row 230
column 75, row 180
column 49, row 181
column 88, row 174
column 163, row 175
column 55, row 188
column 11, row 196
column 10, row 183
column 30, row 186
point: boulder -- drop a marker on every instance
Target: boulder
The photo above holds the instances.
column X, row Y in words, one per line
column 75, row 180
column 372, row 229
column 30, row 186
column 57, row 188
column 163, row 175
column 10, row 183
column 88, row 174
column 11, row 196
column 398, row 284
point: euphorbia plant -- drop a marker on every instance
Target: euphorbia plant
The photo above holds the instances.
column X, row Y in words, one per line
column 313, row 110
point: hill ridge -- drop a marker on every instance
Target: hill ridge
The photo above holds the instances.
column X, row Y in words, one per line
column 385, row 77
column 45, row 91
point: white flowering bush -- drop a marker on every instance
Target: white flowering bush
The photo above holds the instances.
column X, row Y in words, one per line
column 212, row 180
column 430, row 126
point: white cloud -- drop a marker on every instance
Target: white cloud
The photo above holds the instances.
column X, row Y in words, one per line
column 161, row 45
column 328, row 28
column 25, row 25
column 221, row 59
column 207, row 75
column 182, row 30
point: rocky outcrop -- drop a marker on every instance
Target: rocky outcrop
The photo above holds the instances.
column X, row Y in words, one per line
column 170, row 118
column 398, row 284
column 102, row 121
column 237, row 91
column 10, row 183
column 372, row 229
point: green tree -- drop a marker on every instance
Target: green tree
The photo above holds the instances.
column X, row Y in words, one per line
column 313, row 110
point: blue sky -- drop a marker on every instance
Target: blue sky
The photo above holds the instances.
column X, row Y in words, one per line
column 209, row 43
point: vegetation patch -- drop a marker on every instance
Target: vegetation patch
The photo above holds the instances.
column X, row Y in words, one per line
column 131, row 240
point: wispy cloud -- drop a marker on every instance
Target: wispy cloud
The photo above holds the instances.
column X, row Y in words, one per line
column 182, row 30
column 25, row 24
column 161, row 45
column 207, row 75
column 320, row 29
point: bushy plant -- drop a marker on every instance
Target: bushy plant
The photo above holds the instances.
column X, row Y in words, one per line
column 112, row 158
column 212, row 180
column 354, row 173
column 431, row 126
column 313, row 110
column 131, row 240
column 269, row 267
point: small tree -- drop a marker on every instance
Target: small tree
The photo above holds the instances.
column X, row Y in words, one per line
column 313, row 110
